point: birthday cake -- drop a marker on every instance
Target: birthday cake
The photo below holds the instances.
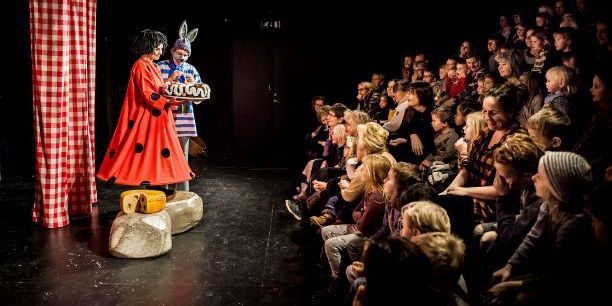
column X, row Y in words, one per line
column 199, row 91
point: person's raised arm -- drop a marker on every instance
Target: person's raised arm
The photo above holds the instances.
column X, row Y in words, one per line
column 173, row 77
column 395, row 123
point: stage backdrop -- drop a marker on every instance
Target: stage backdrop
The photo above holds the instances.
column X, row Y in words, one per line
column 63, row 46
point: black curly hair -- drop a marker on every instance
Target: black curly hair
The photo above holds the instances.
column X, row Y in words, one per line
column 146, row 41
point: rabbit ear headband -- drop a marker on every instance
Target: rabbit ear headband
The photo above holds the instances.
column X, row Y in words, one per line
column 185, row 38
column 183, row 33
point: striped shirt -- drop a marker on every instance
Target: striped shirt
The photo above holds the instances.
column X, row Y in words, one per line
column 184, row 119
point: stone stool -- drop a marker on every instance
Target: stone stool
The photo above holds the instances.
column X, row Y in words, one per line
column 140, row 235
column 185, row 210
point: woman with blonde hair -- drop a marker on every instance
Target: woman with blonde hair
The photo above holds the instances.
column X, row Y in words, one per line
column 354, row 118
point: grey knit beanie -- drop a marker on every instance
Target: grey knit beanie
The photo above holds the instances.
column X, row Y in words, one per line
column 568, row 174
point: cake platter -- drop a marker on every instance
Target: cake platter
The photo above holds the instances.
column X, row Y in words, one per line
column 191, row 99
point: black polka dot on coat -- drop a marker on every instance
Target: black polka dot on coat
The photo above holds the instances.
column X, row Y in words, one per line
column 145, row 183
column 111, row 154
column 165, row 152
column 112, row 180
column 139, row 148
column 155, row 112
column 155, row 96
column 130, row 124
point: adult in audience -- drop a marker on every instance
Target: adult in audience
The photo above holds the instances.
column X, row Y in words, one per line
column 500, row 109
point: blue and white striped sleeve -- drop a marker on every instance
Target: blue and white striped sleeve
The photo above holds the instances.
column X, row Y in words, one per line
column 196, row 75
column 164, row 69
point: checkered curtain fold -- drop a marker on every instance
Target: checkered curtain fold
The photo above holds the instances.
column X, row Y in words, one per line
column 63, row 49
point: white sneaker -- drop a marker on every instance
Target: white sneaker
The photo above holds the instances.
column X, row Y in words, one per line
column 294, row 209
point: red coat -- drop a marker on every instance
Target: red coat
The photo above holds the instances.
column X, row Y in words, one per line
column 145, row 149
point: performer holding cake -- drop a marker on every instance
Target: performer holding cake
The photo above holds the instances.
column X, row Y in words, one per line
column 145, row 150
column 176, row 71
column 195, row 91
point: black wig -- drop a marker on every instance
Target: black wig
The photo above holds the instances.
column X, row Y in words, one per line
column 146, row 42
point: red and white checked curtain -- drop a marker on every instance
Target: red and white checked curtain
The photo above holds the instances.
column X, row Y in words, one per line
column 63, row 45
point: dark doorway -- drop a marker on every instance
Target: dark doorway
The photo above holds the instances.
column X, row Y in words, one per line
column 270, row 88
column 253, row 102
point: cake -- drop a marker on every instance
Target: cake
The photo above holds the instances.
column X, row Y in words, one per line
column 192, row 90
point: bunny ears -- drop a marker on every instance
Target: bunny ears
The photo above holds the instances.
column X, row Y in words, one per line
column 185, row 38
column 191, row 35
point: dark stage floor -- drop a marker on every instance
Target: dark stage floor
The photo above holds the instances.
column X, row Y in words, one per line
column 247, row 250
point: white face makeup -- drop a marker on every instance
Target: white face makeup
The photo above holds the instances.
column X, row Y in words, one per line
column 180, row 56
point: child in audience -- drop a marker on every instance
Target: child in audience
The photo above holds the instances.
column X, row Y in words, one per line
column 475, row 128
column 381, row 115
column 451, row 75
column 563, row 40
column 444, row 140
column 550, row 128
column 489, row 82
column 344, row 195
column 417, row 218
column 554, row 260
column 429, row 76
column 517, row 207
column 419, row 69
column 397, row 271
column 402, row 186
column 367, row 215
column 480, row 88
column 439, row 86
column 422, row 217
column 463, row 109
column 458, row 80
column 446, row 252
column 559, row 87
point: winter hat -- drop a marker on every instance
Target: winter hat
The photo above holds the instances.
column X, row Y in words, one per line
column 182, row 43
column 568, row 174
column 185, row 38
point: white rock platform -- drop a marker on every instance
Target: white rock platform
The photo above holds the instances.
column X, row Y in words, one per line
column 185, row 210
column 140, row 235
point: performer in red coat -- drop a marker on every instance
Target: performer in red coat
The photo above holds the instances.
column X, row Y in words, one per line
column 145, row 150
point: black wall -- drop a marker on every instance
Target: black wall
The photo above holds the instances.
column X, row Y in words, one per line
column 339, row 47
